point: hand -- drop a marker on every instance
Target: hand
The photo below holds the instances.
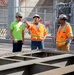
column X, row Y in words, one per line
column 15, row 41
column 65, row 44
column 22, row 42
column 44, row 38
column 25, row 21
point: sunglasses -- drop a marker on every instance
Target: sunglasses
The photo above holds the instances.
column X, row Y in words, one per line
column 36, row 17
column 19, row 16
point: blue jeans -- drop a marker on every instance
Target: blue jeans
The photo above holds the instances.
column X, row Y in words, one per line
column 17, row 47
column 35, row 44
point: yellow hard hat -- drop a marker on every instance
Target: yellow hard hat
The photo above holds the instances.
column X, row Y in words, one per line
column 18, row 14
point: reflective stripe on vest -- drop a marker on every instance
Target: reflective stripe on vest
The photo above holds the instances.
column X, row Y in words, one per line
column 65, row 28
column 63, row 35
column 61, row 42
column 36, row 36
column 69, row 34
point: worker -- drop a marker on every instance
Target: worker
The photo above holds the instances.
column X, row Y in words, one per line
column 17, row 32
column 38, row 32
column 64, row 34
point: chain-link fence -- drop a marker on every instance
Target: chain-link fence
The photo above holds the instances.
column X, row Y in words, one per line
column 68, row 9
column 28, row 11
column 3, row 21
column 45, row 12
column 31, row 7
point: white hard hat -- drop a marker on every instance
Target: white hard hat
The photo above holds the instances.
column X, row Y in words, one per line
column 63, row 16
column 36, row 15
column 18, row 14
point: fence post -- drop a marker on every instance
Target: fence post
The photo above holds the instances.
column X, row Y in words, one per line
column 17, row 6
column 72, row 14
column 36, row 11
column 25, row 9
column 55, row 12
column 44, row 15
column 10, row 16
column 72, row 17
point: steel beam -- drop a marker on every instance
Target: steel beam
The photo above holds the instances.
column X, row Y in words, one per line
column 36, row 63
column 59, row 71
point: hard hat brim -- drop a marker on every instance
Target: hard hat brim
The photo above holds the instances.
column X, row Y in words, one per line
column 36, row 16
column 62, row 19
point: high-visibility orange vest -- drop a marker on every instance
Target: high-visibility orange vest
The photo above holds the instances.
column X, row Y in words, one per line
column 37, row 33
column 63, row 34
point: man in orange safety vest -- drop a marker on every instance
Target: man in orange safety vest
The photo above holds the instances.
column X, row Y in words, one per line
column 38, row 32
column 64, row 34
